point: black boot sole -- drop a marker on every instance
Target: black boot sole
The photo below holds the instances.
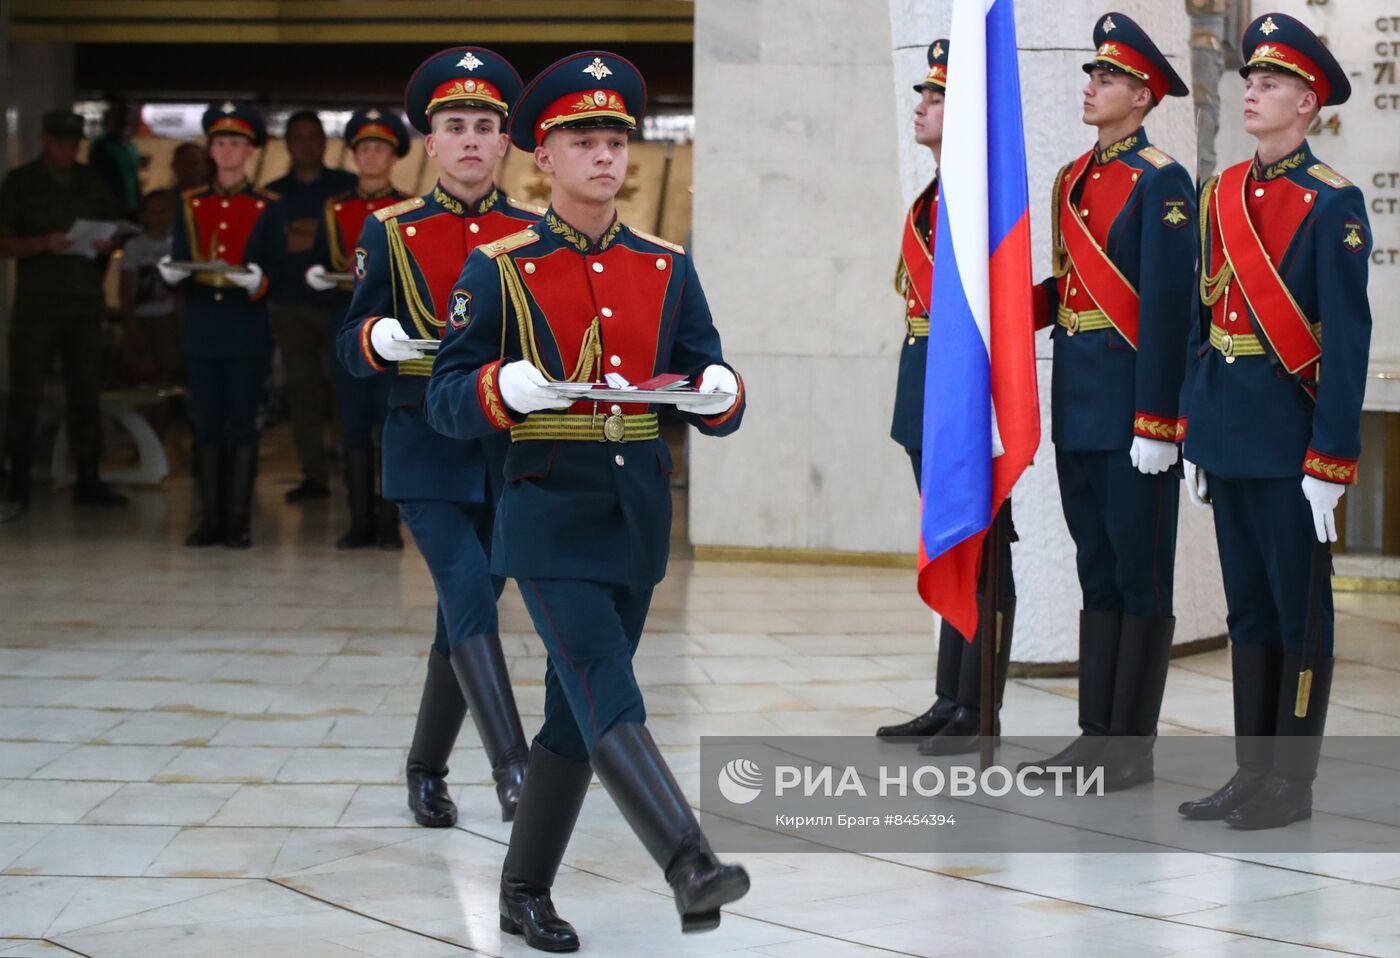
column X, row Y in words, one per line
column 429, row 820
column 702, row 912
column 1300, row 815
column 955, row 745
column 511, row 927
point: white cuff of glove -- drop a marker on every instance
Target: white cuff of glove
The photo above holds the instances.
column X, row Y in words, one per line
column 170, row 275
column 715, row 378
column 1197, row 485
column 316, row 279
column 1152, row 456
column 1323, row 497
column 523, row 389
column 390, row 341
column 249, row 279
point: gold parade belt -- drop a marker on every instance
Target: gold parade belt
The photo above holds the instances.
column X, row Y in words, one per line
column 416, row 367
column 574, row 427
column 1231, row 345
column 916, row 327
column 1081, row 322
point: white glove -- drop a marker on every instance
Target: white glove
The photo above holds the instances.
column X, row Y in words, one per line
column 316, row 279
column 171, row 275
column 714, row 379
column 1196, row 485
column 391, row 342
column 1151, row 456
column 1323, row 496
column 523, row 389
column 250, row 278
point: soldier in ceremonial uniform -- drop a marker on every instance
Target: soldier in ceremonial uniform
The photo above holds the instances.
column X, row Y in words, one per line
column 405, row 264
column 584, row 522
column 224, row 331
column 1120, row 302
column 950, row 725
column 1277, row 372
column 377, row 139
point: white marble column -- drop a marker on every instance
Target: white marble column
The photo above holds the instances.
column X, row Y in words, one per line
column 804, row 165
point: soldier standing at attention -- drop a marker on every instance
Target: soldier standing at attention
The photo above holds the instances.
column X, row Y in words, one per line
column 1120, row 301
column 950, row 726
column 1281, row 346
column 409, row 255
column 377, row 139
column 224, row 332
column 300, row 314
column 58, row 306
column 585, row 519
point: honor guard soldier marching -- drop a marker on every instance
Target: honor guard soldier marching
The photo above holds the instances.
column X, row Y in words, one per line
column 377, row 139
column 950, row 725
column 224, row 331
column 407, row 260
column 1273, row 402
column 584, row 522
column 1120, row 302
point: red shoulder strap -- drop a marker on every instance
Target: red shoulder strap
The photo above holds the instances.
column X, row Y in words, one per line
column 1101, row 278
column 914, row 250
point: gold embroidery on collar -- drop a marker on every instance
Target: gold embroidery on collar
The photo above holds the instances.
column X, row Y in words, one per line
column 576, row 239
column 239, row 188
column 489, row 200
column 1281, row 167
column 1116, row 150
column 447, row 200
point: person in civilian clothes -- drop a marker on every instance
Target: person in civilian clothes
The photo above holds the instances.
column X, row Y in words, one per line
column 378, row 139
column 1273, row 393
column 409, row 255
column 224, row 331
column 1120, row 305
column 585, row 519
column 949, row 726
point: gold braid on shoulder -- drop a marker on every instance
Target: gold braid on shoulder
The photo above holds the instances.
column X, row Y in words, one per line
column 1059, row 256
column 401, row 275
column 590, row 361
column 1212, row 286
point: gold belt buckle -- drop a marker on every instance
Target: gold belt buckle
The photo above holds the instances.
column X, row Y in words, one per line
column 1227, row 346
column 1072, row 326
column 614, row 428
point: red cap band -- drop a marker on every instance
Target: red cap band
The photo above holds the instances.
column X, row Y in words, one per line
column 1287, row 58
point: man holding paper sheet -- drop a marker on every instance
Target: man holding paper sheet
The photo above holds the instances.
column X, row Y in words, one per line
column 585, row 519
column 58, row 306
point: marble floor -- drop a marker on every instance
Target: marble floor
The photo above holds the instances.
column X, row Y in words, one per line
column 200, row 755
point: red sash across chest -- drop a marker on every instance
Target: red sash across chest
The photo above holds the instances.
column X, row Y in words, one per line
column 1253, row 224
column 1094, row 281
column 440, row 244
column 916, row 250
column 219, row 226
column 348, row 217
column 624, row 288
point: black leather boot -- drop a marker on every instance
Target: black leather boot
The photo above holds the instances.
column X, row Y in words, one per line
column 962, row 734
column 210, row 475
column 631, row 768
column 359, row 490
column 481, row 672
column 1254, row 672
column 440, row 715
column 544, row 820
column 950, row 652
column 1098, row 661
column 1285, row 794
column 90, row 490
column 1139, row 683
column 243, row 467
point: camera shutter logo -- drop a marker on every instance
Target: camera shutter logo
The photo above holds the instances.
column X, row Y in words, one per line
column 740, row 781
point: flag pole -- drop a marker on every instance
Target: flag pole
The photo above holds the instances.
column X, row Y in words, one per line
column 989, row 627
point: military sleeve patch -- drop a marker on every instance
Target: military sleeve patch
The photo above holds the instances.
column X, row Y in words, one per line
column 461, row 313
column 1354, row 236
column 1175, row 213
column 361, row 261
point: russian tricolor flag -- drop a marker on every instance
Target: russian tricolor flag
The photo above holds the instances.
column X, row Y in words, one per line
column 981, row 415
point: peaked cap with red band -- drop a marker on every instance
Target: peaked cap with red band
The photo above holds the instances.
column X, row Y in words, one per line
column 377, row 124
column 594, row 89
column 461, row 77
column 1121, row 46
column 1277, row 42
column 236, row 117
column 937, row 79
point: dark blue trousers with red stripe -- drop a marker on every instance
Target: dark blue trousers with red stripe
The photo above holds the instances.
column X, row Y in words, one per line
column 591, row 631
column 1123, row 524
